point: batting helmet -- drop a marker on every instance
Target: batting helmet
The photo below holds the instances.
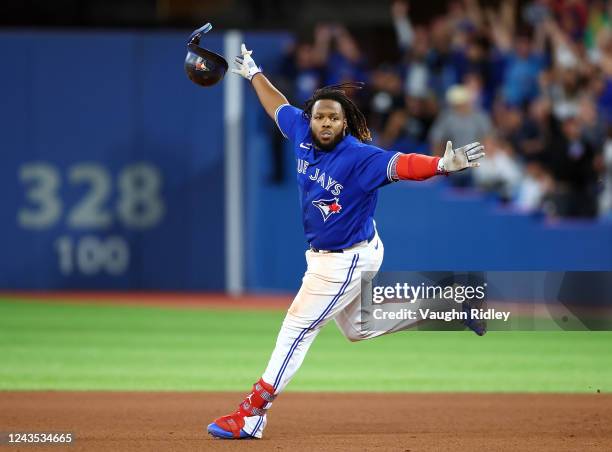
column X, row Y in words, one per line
column 201, row 65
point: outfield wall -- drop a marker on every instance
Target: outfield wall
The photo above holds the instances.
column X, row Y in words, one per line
column 112, row 164
column 113, row 178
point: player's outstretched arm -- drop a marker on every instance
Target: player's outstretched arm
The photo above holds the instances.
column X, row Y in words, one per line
column 268, row 95
column 421, row 167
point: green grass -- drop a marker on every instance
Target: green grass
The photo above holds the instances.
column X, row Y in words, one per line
column 54, row 346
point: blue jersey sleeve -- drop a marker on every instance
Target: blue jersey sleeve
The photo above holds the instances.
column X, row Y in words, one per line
column 289, row 120
column 375, row 167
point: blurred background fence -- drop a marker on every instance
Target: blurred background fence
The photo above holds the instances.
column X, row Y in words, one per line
column 113, row 164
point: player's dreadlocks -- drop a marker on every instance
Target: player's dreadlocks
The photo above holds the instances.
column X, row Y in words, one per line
column 356, row 122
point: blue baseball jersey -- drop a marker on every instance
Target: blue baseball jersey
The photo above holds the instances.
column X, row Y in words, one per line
column 337, row 188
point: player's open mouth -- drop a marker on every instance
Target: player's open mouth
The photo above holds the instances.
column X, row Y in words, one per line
column 326, row 134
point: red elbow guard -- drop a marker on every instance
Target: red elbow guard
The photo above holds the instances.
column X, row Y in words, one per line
column 416, row 166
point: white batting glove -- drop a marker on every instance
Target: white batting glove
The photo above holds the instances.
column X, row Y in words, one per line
column 246, row 66
column 461, row 158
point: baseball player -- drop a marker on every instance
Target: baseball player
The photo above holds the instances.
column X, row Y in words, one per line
column 338, row 176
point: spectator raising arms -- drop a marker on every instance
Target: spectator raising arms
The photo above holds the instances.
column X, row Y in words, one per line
column 534, row 81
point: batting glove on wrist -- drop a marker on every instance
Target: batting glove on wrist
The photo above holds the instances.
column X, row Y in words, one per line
column 461, row 158
column 246, row 66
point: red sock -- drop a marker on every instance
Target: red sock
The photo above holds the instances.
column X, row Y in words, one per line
column 252, row 405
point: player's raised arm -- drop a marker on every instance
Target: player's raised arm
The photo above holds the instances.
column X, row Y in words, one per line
column 268, row 95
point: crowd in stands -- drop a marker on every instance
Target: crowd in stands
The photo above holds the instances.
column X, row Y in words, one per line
column 533, row 83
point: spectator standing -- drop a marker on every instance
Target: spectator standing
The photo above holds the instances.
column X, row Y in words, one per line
column 501, row 173
column 385, row 97
column 308, row 71
column 521, row 58
column 535, row 189
column 534, row 133
column 338, row 51
column 572, row 161
column 461, row 122
column 414, row 45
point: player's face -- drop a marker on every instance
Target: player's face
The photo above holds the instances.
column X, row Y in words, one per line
column 327, row 123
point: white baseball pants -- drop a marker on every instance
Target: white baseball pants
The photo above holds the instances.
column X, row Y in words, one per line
column 330, row 289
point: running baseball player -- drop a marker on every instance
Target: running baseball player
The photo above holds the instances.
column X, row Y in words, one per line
column 338, row 176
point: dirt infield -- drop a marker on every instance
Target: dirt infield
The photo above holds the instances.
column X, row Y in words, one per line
column 373, row 422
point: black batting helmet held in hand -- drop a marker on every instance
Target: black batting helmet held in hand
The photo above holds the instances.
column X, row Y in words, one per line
column 202, row 66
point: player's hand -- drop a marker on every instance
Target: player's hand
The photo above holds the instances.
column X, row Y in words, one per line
column 245, row 64
column 461, row 158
